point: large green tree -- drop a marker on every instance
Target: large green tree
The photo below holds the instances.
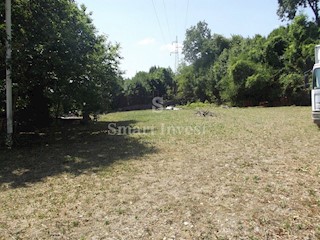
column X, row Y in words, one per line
column 59, row 61
column 197, row 42
column 144, row 86
column 248, row 71
column 287, row 9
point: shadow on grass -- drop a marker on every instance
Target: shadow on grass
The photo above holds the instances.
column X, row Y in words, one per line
column 74, row 149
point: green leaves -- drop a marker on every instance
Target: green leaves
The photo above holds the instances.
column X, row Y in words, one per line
column 58, row 55
column 248, row 71
column 274, row 51
column 287, row 9
column 144, row 86
column 196, row 45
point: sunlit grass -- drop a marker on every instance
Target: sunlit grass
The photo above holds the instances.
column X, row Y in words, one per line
column 250, row 173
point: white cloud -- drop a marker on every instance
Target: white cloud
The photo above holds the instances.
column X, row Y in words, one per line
column 147, row 41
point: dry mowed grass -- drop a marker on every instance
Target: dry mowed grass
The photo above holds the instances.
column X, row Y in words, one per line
column 249, row 173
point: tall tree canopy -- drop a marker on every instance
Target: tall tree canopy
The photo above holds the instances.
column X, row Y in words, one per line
column 288, row 8
column 196, row 44
column 59, row 62
column 144, row 86
column 248, row 71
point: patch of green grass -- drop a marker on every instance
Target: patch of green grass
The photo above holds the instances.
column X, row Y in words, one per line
column 120, row 211
column 312, row 192
column 75, row 224
column 198, row 105
column 256, row 179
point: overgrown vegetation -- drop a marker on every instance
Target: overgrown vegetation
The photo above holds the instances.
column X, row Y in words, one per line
column 240, row 71
column 144, row 86
column 248, row 71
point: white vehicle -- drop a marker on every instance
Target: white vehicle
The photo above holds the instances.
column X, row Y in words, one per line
column 315, row 92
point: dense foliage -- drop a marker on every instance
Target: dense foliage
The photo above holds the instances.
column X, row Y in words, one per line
column 248, row 71
column 287, row 9
column 59, row 62
column 144, row 86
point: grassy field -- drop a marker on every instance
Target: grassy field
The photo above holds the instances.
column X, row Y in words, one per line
column 251, row 173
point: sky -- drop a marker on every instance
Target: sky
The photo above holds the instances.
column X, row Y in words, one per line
column 147, row 29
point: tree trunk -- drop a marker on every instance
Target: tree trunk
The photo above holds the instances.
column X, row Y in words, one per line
column 315, row 8
column 86, row 118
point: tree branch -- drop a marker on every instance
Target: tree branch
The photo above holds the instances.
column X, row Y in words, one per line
column 314, row 6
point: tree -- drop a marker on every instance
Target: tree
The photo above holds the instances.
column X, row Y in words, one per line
column 59, row 61
column 218, row 74
column 137, row 90
column 161, row 82
column 248, row 71
column 293, row 89
column 274, row 52
column 186, row 83
column 287, row 9
column 239, row 72
column 202, row 49
column 301, row 33
column 144, row 86
column 196, row 43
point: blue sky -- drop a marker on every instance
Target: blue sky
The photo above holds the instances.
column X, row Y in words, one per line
column 146, row 29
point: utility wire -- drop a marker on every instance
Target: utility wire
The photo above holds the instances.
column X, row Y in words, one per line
column 155, row 11
column 166, row 15
column 175, row 16
column 187, row 13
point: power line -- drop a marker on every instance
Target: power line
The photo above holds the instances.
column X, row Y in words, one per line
column 187, row 12
column 166, row 15
column 175, row 43
column 155, row 11
column 175, row 16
